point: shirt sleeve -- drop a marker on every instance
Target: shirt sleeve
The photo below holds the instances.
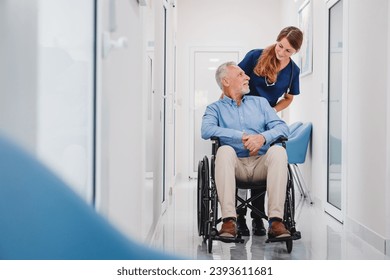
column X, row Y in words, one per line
column 210, row 126
column 275, row 126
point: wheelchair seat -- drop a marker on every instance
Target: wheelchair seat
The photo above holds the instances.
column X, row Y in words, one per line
column 208, row 218
column 251, row 185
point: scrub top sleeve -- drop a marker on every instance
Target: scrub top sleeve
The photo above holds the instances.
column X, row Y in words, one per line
column 295, row 89
column 249, row 62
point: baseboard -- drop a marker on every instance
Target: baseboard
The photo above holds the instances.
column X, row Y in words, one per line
column 377, row 241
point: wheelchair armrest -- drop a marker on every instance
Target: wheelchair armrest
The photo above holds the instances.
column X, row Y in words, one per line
column 281, row 140
column 215, row 145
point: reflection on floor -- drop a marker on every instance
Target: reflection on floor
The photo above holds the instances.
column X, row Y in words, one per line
column 322, row 236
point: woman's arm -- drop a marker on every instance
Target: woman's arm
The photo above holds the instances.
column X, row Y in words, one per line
column 284, row 102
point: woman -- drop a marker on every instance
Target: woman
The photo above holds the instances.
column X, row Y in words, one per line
column 273, row 73
column 274, row 76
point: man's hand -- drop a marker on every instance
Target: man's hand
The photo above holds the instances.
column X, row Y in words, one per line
column 253, row 143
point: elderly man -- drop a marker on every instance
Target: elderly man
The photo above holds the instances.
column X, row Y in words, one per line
column 246, row 125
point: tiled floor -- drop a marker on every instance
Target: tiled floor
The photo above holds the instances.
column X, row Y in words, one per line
column 322, row 236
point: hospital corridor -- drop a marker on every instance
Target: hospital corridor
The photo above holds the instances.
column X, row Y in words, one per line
column 104, row 108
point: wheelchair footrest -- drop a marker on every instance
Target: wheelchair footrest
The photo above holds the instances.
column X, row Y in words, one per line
column 295, row 236
column 229, row 239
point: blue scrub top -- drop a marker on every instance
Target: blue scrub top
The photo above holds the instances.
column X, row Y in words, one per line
column 257, row 84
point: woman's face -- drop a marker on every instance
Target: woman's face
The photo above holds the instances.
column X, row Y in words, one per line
column 284, row 50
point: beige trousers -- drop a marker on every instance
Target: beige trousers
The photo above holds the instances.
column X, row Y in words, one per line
column 272, row 166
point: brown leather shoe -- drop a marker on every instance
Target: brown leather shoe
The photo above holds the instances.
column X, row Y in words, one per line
column 229, row 228
column 277, row 230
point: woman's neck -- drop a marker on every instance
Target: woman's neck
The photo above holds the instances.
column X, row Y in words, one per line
column 284, row 63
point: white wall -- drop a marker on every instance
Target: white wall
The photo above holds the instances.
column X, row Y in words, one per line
column 18, row 71
column 120, row 113
column 388, row 137
column 245, row 25
column 367, row 122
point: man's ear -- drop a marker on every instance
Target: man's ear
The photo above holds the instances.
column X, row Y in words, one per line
column 225, row 82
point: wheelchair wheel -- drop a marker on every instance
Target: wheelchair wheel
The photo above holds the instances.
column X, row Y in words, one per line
column 289, row 206
column 199, row 194
column 203, row 195
column 212, row 168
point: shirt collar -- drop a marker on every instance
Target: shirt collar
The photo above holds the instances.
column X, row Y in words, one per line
column 231, row 101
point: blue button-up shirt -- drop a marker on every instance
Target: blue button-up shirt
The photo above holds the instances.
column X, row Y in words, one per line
column 228, row 121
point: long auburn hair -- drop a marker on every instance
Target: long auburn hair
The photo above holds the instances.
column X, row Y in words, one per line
column 268, row 65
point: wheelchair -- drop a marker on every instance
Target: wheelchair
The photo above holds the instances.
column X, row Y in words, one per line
column 207, row 202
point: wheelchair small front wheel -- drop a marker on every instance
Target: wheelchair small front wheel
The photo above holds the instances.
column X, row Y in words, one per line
column 289, row 244
column 210, row 244
column 214, row 232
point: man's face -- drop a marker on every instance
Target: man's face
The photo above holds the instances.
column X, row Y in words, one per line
column 238, row 80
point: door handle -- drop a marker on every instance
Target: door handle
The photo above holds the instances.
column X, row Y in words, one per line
column 109, row 44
